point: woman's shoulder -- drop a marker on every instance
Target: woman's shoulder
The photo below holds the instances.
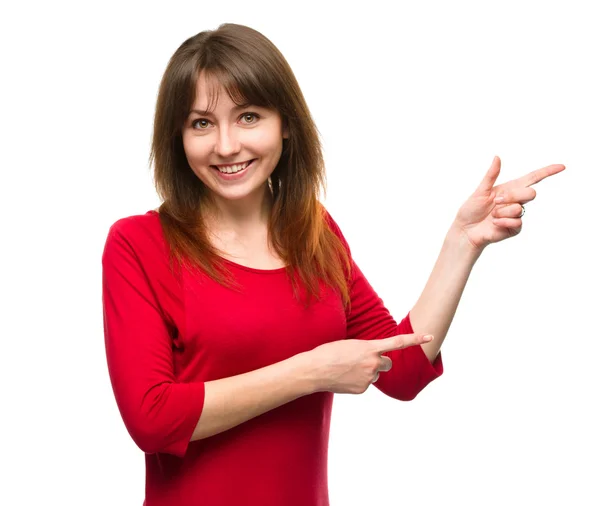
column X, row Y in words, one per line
column 333, row 225
column 141, row 233
column 137, row 223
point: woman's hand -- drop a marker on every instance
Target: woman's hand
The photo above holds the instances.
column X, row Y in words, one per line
column 493, row 213
column 349, row 366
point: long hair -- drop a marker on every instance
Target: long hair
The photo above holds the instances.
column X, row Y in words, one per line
column 253, row 71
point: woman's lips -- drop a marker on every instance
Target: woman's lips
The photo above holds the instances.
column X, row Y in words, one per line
column 230, row 176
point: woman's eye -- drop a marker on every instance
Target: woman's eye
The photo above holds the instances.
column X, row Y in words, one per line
column 201, row 124
column 249, row 118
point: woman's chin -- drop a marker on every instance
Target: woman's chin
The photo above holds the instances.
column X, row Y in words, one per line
column 241, row 193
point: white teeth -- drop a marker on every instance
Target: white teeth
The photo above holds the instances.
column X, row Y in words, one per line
column 232, row 169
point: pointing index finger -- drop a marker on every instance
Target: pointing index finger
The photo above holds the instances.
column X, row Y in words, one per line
column 400, row 341
column 539, row 175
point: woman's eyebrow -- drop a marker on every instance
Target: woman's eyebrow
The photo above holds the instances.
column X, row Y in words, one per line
column 209, row 113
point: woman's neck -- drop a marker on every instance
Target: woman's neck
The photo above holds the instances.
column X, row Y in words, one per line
column 241, row 215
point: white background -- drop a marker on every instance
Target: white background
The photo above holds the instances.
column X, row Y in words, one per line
column 413, row 100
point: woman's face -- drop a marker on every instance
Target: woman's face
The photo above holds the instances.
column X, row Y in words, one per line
column 233, row 150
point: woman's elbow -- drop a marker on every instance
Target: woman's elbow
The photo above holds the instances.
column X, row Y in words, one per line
column 153, row 438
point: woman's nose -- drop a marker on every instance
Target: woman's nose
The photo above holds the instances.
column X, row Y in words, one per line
column 227, row 143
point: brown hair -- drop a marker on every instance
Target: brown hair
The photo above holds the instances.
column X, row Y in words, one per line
column 252, row 71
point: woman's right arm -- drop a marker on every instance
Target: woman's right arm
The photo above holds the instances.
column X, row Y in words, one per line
column 231, row 401
column 345, row 366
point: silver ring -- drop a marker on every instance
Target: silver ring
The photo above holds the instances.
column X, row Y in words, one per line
column 522, row 211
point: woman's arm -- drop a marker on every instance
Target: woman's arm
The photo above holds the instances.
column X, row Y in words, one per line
column 231, row 401
column 435, row 309
column 340, row 366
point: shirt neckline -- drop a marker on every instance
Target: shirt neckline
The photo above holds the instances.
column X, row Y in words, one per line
column 240, row 266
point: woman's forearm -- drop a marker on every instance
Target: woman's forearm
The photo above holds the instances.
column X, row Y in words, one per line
column 231, row 401
column 435, row 309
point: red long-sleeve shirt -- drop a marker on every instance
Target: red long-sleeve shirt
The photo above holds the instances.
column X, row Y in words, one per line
column 167, row 334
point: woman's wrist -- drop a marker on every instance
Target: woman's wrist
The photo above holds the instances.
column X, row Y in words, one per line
column 305, row 370
column 457, row 240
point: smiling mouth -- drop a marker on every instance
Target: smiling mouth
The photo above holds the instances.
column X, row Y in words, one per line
column 233, row 168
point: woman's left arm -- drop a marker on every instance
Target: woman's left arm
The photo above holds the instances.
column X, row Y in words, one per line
column 491, row 214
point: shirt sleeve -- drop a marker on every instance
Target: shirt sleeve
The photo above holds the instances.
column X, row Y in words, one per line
column 159, row 412
column 368, row 318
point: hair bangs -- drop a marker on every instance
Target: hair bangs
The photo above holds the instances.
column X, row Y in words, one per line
column 244, row 85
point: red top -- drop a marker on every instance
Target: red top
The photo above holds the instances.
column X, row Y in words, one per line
column 166, row 335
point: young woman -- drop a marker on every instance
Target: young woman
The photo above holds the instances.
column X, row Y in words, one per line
column 234, row 312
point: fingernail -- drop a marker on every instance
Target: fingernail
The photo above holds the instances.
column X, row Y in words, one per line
column 428, row 337
column 499, row 200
